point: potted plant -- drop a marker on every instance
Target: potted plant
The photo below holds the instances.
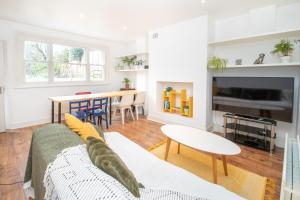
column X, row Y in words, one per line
column 127, row 60
column 126, row 81
column 284, row 49
column 217, row 64
column 186, row 110
column 168, row 90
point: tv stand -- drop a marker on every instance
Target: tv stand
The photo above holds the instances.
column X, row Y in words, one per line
column 252, row 131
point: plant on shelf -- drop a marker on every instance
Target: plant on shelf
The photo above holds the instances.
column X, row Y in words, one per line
column 217, row 64
column 168, row 90
column 126, row 81
column 186, row 110
column 284, row 49
column 129, row 60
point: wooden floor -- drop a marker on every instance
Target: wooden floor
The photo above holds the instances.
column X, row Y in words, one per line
column 14, row 147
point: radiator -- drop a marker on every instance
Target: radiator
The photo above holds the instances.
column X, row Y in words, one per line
column 290, row 185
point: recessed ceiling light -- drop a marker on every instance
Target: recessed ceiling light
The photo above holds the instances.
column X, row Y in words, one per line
column 203, row 1
column 81, row 15
column 124, row 28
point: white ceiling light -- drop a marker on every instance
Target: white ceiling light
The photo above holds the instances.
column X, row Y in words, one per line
column 203, row 1
column 81, row 15
column 124, row 28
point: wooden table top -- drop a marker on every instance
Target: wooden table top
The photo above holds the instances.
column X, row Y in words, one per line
column 92, row 96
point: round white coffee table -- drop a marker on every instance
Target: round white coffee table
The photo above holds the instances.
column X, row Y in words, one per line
column 203, row 141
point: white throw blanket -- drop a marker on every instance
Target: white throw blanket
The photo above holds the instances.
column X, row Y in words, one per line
column 72, row 175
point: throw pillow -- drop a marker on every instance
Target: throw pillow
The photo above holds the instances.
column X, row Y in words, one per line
column 109, row 162
column 84, row 130
column 88, row 130
column 73, row 122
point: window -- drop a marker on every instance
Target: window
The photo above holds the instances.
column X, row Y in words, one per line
column 69, row 63
column 46, row 62
column 97, row 61
column 36, row 61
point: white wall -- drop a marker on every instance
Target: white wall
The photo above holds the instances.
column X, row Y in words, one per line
column 28, row 106
column 179, row 54
column 258, row 21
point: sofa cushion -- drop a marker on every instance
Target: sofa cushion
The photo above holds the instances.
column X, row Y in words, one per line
column 109, row 162
column 88, row 130
column 83, row 129
column 73, row 123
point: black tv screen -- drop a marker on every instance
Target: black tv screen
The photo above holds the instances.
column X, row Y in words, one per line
column 266, row 97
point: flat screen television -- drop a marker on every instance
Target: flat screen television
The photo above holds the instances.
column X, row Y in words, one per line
column 264, row 97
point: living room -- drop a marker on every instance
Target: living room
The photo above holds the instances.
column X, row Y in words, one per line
column 187, row 88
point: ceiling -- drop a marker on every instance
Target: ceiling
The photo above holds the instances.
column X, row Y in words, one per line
column 121, row 20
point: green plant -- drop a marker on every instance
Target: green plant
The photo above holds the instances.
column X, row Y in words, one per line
column 217, row 64
column 283, row 48
column 126, row 81
column 77, row 54
column 169, row 89
column 127, row 60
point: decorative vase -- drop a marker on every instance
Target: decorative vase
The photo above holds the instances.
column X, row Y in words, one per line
column 167, row 105
column 126, row 85
column 186, row 111
column 285, row 59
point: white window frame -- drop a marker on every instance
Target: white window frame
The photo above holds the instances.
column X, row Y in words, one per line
column 21, row 38
column 89, row 64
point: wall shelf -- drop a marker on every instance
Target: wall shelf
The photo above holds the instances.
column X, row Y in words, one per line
column 295, row 64
column 132, row 70
column 129, row 55
column 170, row 103
column 138, row 65
column 275, row 34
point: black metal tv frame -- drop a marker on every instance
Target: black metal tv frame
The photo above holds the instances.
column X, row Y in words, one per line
column 251, row 131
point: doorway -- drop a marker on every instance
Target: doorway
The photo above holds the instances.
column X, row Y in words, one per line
column 2, row 69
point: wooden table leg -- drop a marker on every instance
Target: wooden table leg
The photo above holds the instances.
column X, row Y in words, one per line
column 167, row 148
column 110, row 112
column 214, row 168
column 225, row 165
column 52, row 112
column 59, row 112
column 178, row 148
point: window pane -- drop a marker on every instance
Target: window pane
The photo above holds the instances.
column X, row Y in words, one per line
column 69, row 72
column 68, row 54
column 35, row 51
column 96, row 73
column 97, row 57
column 36, row 71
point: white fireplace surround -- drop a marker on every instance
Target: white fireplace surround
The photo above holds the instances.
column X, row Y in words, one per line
column 179, row 57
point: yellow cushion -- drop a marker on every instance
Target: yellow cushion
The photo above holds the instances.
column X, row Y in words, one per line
column 84, row 130
column 73, row 122
column 89, row 130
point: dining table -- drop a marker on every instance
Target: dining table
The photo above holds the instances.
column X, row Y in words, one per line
column 60, row 99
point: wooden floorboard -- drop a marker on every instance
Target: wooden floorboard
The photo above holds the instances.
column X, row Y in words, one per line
column 14, row 147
